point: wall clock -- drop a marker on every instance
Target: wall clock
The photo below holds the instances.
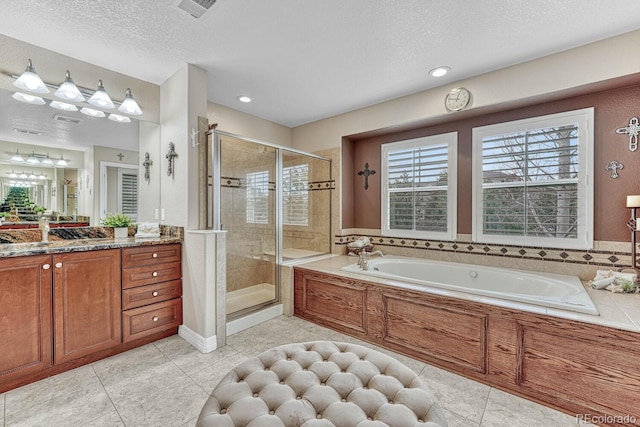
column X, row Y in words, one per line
column 457, row 99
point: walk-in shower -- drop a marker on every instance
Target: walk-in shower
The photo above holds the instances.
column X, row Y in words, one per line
column 275, row 204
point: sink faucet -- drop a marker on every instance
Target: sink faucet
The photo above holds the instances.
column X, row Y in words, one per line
column 43, row 225
column 363, row 259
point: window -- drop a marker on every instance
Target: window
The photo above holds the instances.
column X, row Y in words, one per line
column 128, row 194
column 295, row 195
column 257, row 186
column 531, row 181
column 419, row 187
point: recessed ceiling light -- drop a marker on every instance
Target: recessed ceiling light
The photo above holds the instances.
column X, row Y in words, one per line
column 439, row 71
column 244, row 98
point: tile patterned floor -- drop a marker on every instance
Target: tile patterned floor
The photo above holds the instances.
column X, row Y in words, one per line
column 167, row 382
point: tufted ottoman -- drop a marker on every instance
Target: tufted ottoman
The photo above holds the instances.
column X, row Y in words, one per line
column 321, row 384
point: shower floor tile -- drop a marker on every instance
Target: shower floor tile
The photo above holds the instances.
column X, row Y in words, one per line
column 250, row 296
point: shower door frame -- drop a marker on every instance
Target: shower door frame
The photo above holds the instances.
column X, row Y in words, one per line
column 215, row 203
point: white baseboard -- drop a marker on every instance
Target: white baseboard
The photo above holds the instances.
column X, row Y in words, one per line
column 202, row 344
column 254, row 319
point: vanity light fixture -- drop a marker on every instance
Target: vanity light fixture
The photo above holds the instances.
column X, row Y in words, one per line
column 33, row 176
column 29, row 99
column 101, row 99
column 92, row 113
column 42, row 176
column 32, row 159
column 439, row 71
column 22, row 176
column 47, row 161
column 17, row 157
column 63, row 106
column 129, row 105
column 244, row 98
column 31, row 81
column 118, row 118
column 62, row 162
column 12, row 174
column 69, row 91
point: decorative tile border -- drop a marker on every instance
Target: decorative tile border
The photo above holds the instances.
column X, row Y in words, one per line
column 586, row 257
column 232, row 182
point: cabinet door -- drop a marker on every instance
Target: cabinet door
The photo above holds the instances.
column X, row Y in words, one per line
column 86, row 303
column 25, row 316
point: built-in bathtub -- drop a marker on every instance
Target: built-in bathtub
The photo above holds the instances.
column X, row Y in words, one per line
column 541, row 289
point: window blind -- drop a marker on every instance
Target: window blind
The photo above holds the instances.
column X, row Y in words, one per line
column 129, row 195
column 257, row 190
column 295, row 195
column 530, row 182
column 417, row 183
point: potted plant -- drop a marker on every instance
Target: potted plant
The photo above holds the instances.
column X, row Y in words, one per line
column 119, row 222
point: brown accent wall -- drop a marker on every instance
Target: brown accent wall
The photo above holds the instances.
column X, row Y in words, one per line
column 613, row 109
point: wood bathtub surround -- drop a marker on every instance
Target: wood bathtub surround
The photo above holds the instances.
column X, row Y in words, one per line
column 575, row 367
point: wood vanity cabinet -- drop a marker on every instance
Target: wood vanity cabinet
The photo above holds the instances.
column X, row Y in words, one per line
column 64, row 310
column 25, row 316
column 151, row 290
column 86, row 302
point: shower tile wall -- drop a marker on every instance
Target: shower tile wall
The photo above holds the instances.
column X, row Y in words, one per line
column 247, row 243
column 315, row 236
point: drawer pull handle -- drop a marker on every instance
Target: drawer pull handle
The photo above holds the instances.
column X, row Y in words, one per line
column 155, row 318
column 155, row 293
column 58, row 264
column 155, row 255
column 46, row 267
column 155, row 274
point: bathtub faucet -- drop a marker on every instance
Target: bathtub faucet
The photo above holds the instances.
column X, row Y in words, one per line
column 363, row 259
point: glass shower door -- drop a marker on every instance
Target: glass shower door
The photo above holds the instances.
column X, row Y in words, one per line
column 248, row 198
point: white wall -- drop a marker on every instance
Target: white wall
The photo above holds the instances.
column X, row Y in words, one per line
column 242, row 124
column 551, row 75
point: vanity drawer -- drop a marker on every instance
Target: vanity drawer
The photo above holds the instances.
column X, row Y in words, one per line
column 149, row 274
column 147, row 320
column 156, row 254
column 151, row 294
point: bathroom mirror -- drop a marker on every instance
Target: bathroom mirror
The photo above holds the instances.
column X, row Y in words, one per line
column 79, row 189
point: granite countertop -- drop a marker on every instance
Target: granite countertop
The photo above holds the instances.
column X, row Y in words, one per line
column 620, row 311
column 79, row 245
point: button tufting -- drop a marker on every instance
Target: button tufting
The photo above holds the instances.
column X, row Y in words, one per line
column 370, row 366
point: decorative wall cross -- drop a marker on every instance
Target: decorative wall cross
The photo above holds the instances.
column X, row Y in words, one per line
column 120, row 156
column 147, row 164
column 170, row 156
column 366, row 172
column 613, row 166
column 632, row 130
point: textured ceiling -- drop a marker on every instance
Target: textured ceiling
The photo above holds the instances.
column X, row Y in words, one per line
column 303, row 60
